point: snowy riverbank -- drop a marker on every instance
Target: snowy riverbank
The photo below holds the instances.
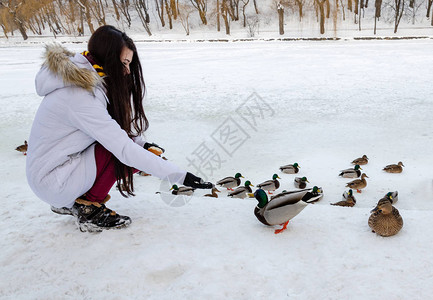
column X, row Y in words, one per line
column 322, row 104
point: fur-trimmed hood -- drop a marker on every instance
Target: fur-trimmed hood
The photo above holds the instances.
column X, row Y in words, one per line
column 63, row 68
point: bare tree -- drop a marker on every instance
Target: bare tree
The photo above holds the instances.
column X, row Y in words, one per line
column 234, row 7
column 169, row 14
column 300, row 4
column 98, row 12
column 361, row 7
column 321, row 5
column 116, row 10
column 253, row 25
column 225, row 15
column 5, row 32
column 356, row 12
column 141, row 8
column 160, row 10
column 51, row 19
column 429, row 5
column 174, row 8
column 328, row 9
column 13, row 9
column 231, row 10
column 86, row 10
column 428, row 9
column 201, row 6
column 378, row 6
column 280, row 10
column 335, row 16
column 66, row 10
column 342, row 9
column 218, row 15
column 414, row 6
column 255, row 7
column 185, row 11
column 245, row 3
column 398, row 12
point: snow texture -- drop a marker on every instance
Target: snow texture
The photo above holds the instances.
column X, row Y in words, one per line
column 250, row 108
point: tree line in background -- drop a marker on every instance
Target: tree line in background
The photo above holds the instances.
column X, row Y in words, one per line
column 73, row 17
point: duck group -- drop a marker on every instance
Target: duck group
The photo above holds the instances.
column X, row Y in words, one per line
column 278, row 209
column 385, row 220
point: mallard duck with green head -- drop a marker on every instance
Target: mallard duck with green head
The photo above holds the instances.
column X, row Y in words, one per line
column 230, row 182
column 392, row 196
column 290, row 169
column 385, row 219
column 301, row 182
column 348, row 200
column 270, row 185
column 361, row 160
column 354, row 172
column 182, row 190
column 313, row 194
column 282, row 207
column 358, row 184
column 395, row 168
column 242, row 191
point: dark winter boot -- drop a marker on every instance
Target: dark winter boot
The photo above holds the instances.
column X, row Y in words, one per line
column 95, row 217
column 69, row 211
column 62, row 210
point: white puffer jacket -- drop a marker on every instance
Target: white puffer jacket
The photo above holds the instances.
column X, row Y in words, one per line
column 71, row 118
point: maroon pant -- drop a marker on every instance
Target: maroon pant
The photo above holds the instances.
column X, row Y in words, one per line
column 105, row 175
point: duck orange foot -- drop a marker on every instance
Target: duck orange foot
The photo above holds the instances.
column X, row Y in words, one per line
column 358, row 191
column 277, row 231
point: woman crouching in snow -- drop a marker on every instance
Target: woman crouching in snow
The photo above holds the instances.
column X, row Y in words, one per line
column 86, row 135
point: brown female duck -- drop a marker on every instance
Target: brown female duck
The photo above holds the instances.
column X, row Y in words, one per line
column 358, row 184
column 361, row 160
column 385, row 219
column 396, row 168
column 348, row 200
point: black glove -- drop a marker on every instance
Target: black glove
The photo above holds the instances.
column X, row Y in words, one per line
column 196, row 182
column 154, row 148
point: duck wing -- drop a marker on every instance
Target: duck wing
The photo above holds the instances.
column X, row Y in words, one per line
column 310, row 197
column 279, row 211
column 185, row 191
column 285, row 194
column 226, row 180
column 289, row 169
column 343, row 203
column 240, row 192
column 284, row 199
column 350, row 173
column 267, row 183
column 354, row 183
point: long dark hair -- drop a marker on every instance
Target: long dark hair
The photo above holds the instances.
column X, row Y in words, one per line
column 105, row 46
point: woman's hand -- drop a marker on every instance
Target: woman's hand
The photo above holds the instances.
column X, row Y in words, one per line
column 196, row 182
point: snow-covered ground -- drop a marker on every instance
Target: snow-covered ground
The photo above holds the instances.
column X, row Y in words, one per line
column 250, row 107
